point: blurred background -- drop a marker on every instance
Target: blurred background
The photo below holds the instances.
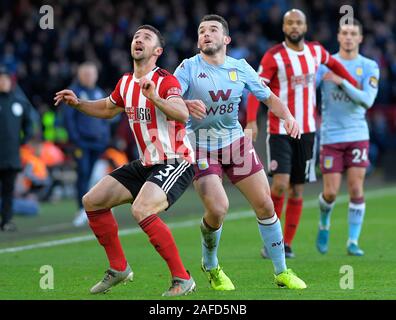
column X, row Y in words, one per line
column 44, row 61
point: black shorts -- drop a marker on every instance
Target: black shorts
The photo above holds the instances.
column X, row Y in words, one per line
column 291, row 156
column 173, row 177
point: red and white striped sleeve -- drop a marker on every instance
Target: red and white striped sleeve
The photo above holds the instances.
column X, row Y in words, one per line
column 170, row 87
column 116, row 96
column 268, row 67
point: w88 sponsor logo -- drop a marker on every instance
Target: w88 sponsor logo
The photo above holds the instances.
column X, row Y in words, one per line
column 220, row 109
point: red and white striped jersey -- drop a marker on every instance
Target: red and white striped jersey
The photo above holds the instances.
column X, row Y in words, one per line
column 157, row 137
column 291, row 76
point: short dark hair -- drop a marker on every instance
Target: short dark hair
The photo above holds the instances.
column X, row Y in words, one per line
column 161, row 39
column 215, row 17
column 355, row 22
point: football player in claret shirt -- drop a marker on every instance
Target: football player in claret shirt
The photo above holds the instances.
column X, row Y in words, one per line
column 157, row 114
column 212, row 84
column 289, row 69
column 344, row 134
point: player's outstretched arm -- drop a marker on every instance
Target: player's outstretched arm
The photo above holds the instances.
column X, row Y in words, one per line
column 281, row 111
column 102, row 108
column 174, row 107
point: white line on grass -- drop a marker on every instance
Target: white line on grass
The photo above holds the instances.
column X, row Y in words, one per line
column 188, row 223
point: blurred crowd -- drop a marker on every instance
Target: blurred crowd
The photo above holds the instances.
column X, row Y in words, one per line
column 101, row 30
column 45, row 61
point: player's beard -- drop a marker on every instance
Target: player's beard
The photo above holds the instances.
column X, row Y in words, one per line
column 296, row 39
column 210, row 51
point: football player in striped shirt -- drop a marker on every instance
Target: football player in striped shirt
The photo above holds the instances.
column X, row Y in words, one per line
column 289, row 69
column 344, row 134
column 157, row 114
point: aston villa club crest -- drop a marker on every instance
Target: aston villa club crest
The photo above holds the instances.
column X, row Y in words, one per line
column 203, row 164
column 328, row 162
column 233, row 75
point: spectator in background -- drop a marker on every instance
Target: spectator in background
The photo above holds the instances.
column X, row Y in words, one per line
column 89, row 135
column 15, row 116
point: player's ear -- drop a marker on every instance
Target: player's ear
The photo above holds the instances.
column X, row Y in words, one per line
column 227, row 40
column 158, row 51
column 360, row 38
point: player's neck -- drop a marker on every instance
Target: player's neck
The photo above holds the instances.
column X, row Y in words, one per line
column 348, row 55
column 295, row 46
column 141, row 68
column 216, row 59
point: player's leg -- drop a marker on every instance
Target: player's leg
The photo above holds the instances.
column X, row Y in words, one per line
column 279, row 187
column 247, row 173
column 165, row 184
column 215, row 201
column 332, row 166
column 108, row 193
column 302, row 164
column 293, row 215
column 356, row 209
column 279, row 164
column 356, row 162
column 256, row 190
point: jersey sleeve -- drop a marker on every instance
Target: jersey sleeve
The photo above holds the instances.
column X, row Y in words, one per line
column 116, row 95
column 267, row 67
column 324, row 54
column 368, row 93
column 170, row 87
column 182, row 73
column 255, row 84
column 320, row 74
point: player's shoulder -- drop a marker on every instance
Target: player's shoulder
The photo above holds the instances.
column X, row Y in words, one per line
column 239, row 64
column 314, row 44
column 166, row 75
column 368, row 62
column 187, row 62
column 163, row 73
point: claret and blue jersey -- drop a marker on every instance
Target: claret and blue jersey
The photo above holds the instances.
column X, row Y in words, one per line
column 344, row 107
column 220, row 87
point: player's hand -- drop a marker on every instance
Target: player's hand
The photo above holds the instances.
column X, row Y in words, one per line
column 331, row 76
column 196, row 108
column 251, row 130
column 67, row 96
column 148, row 88
column 292, row 128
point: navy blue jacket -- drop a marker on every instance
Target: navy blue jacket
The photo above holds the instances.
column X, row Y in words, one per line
column 85, row 131
column 15, row 117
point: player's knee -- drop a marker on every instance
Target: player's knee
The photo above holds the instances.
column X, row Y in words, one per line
column 265, row 208
column 218, row 209
column 355, row 192
column 330, row 196
column 279, row 188
column 91, row 202
column 141, row 210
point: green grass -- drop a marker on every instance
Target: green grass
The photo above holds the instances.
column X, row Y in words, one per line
column 78, row 266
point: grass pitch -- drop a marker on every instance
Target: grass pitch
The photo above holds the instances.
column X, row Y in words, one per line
column 77, row 266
